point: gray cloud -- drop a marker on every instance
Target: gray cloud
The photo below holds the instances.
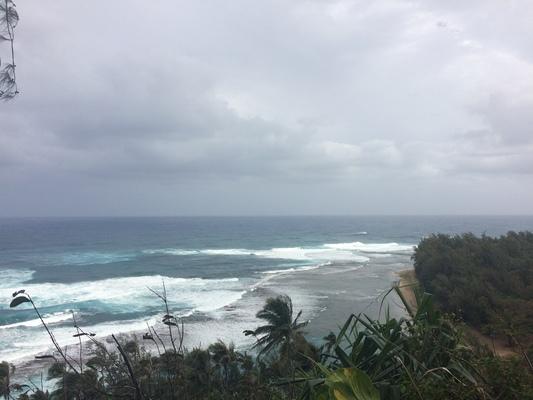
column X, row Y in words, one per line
column 351, row 104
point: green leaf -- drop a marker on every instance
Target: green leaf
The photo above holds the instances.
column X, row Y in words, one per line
column 351, row 384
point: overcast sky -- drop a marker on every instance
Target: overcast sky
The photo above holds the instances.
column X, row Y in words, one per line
column 245, row 107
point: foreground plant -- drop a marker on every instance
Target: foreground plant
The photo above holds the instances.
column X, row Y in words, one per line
column 421, row 355
column 21, row 297
column 346, row 384
column 281, row 333
column 412, row 357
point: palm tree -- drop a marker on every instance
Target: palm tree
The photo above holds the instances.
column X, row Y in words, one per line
column 281, row 328
column 225, row 358
column 330, row 340
column 280, row 332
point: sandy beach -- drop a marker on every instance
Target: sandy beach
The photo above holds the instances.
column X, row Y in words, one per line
column 407, row 285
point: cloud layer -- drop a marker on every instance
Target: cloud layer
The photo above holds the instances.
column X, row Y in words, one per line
column 281, row 107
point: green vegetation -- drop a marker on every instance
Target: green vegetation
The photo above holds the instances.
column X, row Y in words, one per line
column 486, row 281
column 423, row 355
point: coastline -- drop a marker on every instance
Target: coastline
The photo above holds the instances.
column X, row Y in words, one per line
column 327, row 295
column 406, row 285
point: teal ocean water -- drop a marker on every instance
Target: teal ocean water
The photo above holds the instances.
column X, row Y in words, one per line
column 217, row 270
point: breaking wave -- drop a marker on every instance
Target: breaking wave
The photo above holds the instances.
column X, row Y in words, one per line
column 131, row 294
column 49, row 319
column 330, row 251
column 128, row 296
column 372, row 247
column 11, row 277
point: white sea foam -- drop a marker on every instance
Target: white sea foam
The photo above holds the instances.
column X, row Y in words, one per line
column 341, row 269
column 172, row 252
column 288, row 270
column 81, row 258
column 209, row 252
column 310, row 254
column 13, row 277
column 31, row 342
column 131, row 293
column 320, row 253
column 372, row 247
column 49, row 319
column 31, row 339
column 227, row 252
column 118, row 295
column 213, row 301
column 329, row 251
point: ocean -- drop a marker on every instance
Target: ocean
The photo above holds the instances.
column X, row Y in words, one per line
column 218, row 271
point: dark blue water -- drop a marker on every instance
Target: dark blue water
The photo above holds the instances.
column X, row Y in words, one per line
column 100, row 268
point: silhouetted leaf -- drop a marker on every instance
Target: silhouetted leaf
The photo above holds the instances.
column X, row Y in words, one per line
column 84, row 334
column 45, row 356
column 18, row 301
column 18, row 386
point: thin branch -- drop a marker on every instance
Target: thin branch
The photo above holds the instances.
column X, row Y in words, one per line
column 52, row 337
column 130, row 369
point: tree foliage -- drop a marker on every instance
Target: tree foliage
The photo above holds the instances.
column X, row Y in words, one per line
column 486, row 281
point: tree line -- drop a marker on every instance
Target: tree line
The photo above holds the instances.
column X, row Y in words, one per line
column 486, row 281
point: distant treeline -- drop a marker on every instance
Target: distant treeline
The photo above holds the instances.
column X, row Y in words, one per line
column 486, row 281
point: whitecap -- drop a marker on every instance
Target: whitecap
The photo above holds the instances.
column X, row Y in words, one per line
column 128, row 295
column 13, row 277
column 372, row 247
column 49, row 319
column 227, row 252
column 81, row 258
column 131, row 293
column 331, row 251
column 311, row 254
column 172, row 252
column 288, row 270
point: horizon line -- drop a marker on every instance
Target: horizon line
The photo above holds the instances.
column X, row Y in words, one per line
column 257, row 216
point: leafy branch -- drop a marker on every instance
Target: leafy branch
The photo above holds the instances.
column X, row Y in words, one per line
column 9, row 19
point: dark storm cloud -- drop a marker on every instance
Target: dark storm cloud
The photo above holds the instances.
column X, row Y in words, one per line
column 280, row 102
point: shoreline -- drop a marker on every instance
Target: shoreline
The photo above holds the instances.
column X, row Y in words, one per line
column 406, row 285
column 327, row 295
